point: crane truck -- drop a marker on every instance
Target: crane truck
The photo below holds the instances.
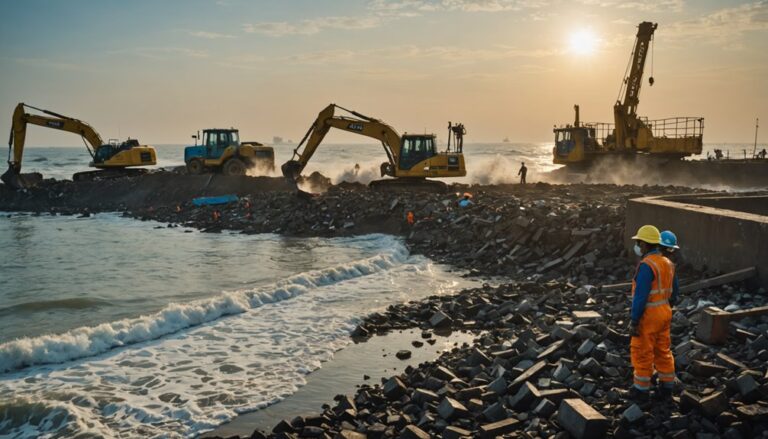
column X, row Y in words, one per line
column 411, row 158
column 581, row 143
column 111, row 158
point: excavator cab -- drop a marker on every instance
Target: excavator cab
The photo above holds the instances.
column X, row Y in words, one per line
column 415, row 149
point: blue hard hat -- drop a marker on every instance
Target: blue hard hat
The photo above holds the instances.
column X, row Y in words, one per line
column 668, row 239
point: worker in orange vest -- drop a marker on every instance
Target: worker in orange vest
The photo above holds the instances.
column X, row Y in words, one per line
column 410, row 218
column 654, row 285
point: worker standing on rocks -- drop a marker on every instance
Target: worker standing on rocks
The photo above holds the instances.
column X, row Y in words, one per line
column 522, row 173
column 654, row 284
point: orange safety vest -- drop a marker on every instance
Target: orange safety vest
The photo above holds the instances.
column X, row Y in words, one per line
column 663, row 276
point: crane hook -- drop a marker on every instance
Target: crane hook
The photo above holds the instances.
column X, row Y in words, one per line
column 651, row 81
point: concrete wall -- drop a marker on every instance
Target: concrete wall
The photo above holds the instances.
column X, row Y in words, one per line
column 722, row 239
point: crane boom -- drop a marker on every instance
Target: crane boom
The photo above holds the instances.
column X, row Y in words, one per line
column 625, row 112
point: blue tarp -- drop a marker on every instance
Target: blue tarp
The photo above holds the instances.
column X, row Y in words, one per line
column 208, row 201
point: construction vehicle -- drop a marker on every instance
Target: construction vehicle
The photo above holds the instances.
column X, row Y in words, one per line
column 112, row 158
column 412, row 158
column 677, row 137
column 222, row 152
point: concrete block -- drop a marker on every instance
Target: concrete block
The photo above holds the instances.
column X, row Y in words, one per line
column 748, row 387
column 528, row 374
column 551, row 349
column 497, row 429
column 591, row 366
column 440, row 319
column 421, row 396
column 449, row 408
column 561, row 373
column 394, row 388
column 444, row 373
column 581, row 420
column 714, row 404
column 495, row 412
column 706, row 370
column 524, row 397
column 349, row 434
column 586, row 348
column 453, row 432
column 586, row 315
column 545, row 408
column 498, row 386
column 632, row 414
column 413, row 432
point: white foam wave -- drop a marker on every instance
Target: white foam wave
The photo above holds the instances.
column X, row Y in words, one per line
column 93, row 340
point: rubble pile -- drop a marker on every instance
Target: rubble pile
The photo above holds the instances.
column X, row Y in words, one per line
column 540, row 231
column 552, row 360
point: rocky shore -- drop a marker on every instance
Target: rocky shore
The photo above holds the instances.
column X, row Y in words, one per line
column 550, row 358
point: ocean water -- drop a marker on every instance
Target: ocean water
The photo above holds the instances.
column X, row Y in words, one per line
column 487, row 163
column 111, row 327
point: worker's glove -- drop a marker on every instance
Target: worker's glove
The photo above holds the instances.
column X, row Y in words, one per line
column 634, row 329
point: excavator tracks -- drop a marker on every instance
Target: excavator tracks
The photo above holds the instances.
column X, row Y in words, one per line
column 408, row 185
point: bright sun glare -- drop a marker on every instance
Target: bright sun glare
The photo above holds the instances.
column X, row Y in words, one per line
column 582, row 42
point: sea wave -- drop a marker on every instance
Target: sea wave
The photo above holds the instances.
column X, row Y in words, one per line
column 93, row 340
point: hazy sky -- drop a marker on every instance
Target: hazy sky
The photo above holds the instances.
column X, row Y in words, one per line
column 160, row 70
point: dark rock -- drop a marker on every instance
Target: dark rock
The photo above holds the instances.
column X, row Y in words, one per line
column 581, row 420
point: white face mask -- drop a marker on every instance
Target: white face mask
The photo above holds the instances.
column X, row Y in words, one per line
column 638, row 250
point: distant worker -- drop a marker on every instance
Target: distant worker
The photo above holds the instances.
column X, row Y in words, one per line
column 718, row 154
column 522, row 173
column 762, row 154
column 357, row 169
column 410, row 218
column 466, row 200
column 654, row 284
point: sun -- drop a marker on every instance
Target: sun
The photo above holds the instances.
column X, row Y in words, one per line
column 582, row 42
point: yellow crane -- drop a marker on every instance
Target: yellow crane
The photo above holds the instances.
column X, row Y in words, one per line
column 675, row 137
column 112, row 157
column 412, row 158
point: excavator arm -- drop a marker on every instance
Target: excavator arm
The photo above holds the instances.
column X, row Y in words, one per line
column 358, row 124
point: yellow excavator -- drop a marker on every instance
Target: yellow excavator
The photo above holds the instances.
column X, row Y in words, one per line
column 412, row 158
column 112, row 158
column 630, row 134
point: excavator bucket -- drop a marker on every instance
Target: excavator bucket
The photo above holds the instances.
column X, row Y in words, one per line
column 21, row 181
column 291, row 169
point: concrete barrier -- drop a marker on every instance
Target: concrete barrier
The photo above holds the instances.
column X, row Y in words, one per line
column 720, row 239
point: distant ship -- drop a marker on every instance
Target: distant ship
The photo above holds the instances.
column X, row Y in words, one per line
column 277, row 140
column 506, row 140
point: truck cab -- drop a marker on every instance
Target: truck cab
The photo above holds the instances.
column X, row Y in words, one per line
column 214, row 143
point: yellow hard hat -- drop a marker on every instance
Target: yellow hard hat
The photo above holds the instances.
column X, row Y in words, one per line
column 649, row 234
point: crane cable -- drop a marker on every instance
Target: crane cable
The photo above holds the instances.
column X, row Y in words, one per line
column 626, row 73
column 650, row 78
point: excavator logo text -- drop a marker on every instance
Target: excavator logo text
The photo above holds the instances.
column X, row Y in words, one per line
column 55, row 124
column 356, row 126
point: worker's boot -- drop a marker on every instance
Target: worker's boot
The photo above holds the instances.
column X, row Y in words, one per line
column 663, row 393
column 637, row 395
